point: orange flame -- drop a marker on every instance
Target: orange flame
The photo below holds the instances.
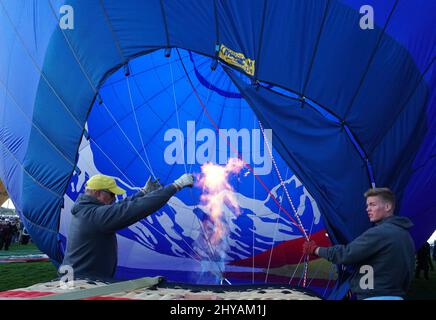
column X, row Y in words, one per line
column 218, row 193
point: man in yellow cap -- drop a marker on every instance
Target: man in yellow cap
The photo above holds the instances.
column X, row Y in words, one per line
column 92, row 243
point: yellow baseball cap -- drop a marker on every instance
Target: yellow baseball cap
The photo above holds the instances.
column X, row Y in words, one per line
column 103, row 182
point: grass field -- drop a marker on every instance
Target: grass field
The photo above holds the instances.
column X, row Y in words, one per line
column 422, row 289
column 18, row 250
column 24, row 274
column 20, row 275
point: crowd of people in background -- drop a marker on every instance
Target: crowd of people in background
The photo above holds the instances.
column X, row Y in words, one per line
column 12, row 231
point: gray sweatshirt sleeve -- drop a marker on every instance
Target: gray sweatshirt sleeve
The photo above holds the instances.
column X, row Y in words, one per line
column 109, row 218
column 364, row 246
column 136, row 195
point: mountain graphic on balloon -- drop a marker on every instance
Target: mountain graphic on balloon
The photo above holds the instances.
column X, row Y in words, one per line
column 178, row 237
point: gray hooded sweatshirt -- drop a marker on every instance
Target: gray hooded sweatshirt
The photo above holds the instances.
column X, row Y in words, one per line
column 92, row 243
column 388, row 249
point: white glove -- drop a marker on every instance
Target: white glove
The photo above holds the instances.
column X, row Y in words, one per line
column 151, row 186
column 187, row 180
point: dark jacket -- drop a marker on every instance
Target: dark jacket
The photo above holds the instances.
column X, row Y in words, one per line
column 7, row 231
column 423, row 257
column 92, row 243
column 388, row 248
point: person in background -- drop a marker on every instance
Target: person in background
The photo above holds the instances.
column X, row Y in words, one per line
column 2, row 233
column 423, row 261
column 434, row 251
column 7, row 232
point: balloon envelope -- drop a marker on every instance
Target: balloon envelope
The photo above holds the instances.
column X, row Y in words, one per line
column 349, row 107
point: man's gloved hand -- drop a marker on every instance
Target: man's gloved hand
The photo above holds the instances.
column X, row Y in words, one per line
column 187, row 180
column 151, row 186
column 309, row 247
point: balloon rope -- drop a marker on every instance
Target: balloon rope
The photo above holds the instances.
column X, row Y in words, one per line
column 123, row 132
column 177, row 110
column 137, row 126
column 331, row 274
column 288, row 197
column 282, row 183
column 202, row 112
column 125, row 136
column 209, row 244
column 296, row 268
column 76, row 120
column 275, row 231
column 236, row 151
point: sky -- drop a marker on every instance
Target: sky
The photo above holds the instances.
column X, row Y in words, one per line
column 432, row 238
column 8, row 204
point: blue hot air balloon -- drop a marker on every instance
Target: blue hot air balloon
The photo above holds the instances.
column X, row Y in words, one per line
column 318, row 102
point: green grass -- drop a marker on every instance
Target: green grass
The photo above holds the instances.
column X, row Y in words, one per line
column 19, row 249
column 319, row 268
column 21, row 275
column 422, row 289
column 24, row 274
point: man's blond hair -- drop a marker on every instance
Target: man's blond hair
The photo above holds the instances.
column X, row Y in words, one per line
column 385, row 194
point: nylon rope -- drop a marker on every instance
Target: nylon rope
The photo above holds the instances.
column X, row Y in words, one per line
column 282, row 182
column 306, row 260
column 95, row 90
column 190, row 169
column 138, row 128
column 250, row 168
column 106, row 108
column 56, row 94
column 239, row 155
column 212, row 251
column 275, row 231
column 296, row 268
